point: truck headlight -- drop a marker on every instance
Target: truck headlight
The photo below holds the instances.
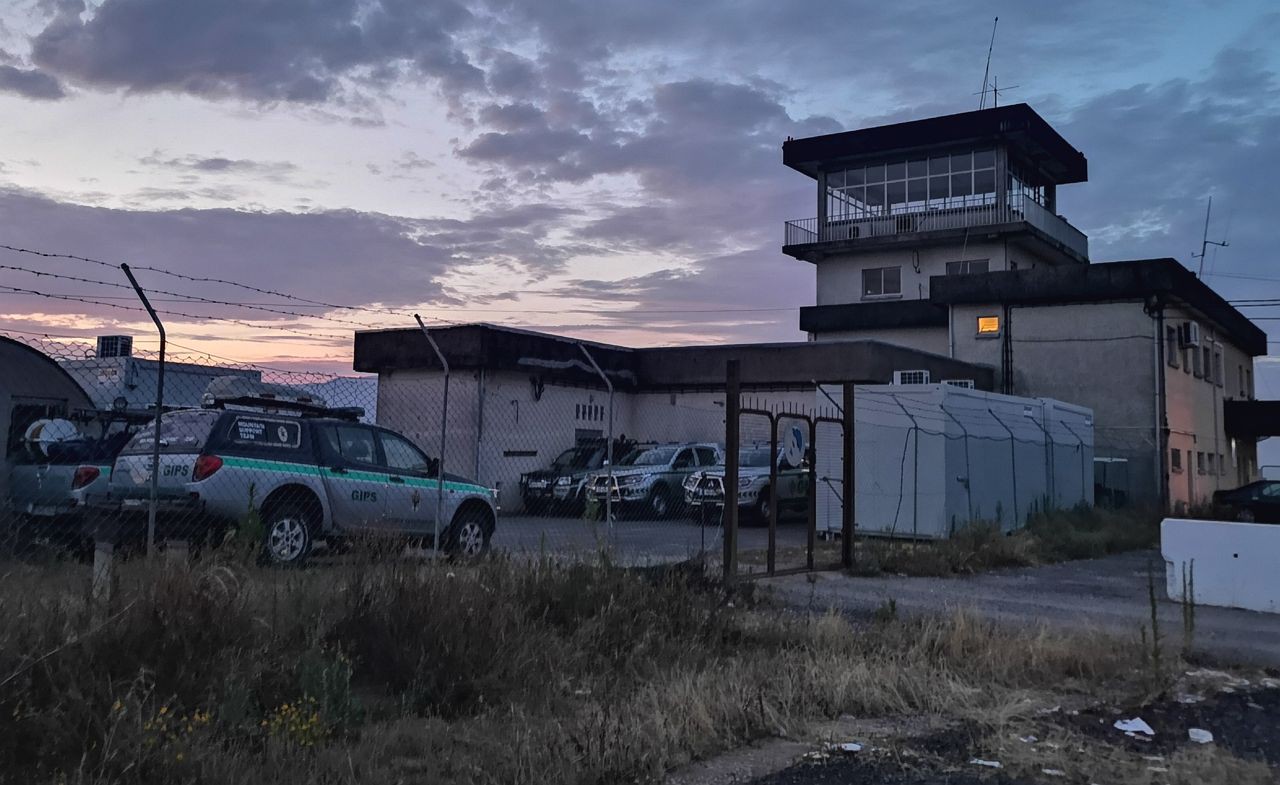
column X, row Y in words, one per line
column 564, row 481
column 633, row 479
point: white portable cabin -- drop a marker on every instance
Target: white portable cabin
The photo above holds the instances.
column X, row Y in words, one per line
column 930, row 458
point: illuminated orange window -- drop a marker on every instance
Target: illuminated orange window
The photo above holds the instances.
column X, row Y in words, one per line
column 988, row 325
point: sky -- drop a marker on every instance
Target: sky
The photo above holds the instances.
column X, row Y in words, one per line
column 599, row 169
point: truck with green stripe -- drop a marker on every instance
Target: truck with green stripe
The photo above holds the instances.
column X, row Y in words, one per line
column 308, row 473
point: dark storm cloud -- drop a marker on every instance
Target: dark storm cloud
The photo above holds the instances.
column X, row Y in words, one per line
column 334, row 256
column 30, row 83
column 288, row 50
column 1157, row 151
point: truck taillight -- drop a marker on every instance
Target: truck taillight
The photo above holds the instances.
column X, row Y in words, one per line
column 206, row 465
column 84, row 475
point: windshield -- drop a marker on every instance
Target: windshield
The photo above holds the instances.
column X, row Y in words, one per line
column 181, row 431
column 653, row 456
column 756, row 457
column 578, row 458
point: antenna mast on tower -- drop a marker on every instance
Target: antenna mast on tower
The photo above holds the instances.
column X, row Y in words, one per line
column 986, row 73
column 1205, row 242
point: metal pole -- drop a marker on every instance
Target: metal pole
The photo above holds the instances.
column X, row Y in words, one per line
column 155, row 447
column 1013, row 462
column 968, row 491
column 444, row 426
column 811, row 506
column 608, row 496
column 773, row 494
column 848, row 519
column 732, row 414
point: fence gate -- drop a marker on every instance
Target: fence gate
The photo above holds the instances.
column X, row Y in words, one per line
column 778, row 457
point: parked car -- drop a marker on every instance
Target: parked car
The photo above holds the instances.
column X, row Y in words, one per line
column 649, row 479
column 560, row 487
column 59, row 460
column 1257, row 501
column 706, row 488
column 309, row 473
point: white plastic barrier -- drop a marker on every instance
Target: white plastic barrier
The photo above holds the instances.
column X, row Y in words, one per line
column 1232, row 565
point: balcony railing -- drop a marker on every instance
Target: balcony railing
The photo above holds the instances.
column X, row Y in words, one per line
column 1019, row 210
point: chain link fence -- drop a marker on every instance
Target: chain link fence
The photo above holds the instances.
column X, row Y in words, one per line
column 311, row 465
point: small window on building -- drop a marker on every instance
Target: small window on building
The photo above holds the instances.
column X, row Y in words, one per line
column 988, row 326
column 1199, row 462
column 1186, row 359
column 1175, row 460
column 1240, row 368
column 1208, row 462
column 968, row 267
column 1222, row 467
column 1248, row 383
column 881, row 281
column 1196, row 369
column 1171, row 345
column 1207, row 363
column 1217, row 368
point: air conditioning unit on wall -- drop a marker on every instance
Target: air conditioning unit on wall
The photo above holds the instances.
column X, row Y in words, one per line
column 1189, row 334
column 910, row 377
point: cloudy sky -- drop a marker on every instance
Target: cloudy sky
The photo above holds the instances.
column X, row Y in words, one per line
column 608, row 170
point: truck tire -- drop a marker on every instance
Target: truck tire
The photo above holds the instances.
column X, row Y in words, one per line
column 660, row 502
column 287, row 535
column 468, row 537
column 761, row 507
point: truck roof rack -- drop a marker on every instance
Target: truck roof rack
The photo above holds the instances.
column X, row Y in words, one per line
column 300, row 408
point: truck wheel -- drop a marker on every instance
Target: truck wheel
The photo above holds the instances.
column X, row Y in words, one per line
column 469, row 537
column 288, row 538
column 660, row 502
column 762, row 506
column 1246, row 516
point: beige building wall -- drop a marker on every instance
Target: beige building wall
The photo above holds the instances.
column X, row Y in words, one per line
column 839, row 277
column 1207, row 460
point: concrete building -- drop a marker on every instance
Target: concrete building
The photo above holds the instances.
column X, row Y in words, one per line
column 942, row 235
column 114, row 372
column 518, row 398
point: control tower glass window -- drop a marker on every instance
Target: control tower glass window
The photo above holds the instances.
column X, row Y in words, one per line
column 912, row 185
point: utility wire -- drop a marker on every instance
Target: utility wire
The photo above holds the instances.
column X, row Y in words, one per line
column 179, row 314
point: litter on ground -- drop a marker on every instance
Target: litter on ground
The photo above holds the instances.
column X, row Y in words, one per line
column 1133, row 726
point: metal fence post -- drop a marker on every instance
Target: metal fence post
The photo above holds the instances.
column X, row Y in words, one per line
column 732, row 438
column 773, row 493
column 444, row 426
column 608, row 496
column 848, row 522
column 155, row 448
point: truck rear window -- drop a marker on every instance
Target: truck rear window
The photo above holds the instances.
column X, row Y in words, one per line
column 184, row 431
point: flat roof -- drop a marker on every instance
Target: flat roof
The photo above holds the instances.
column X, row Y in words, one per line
column 1164, row 280
column 1016, row 125
column 557, row 358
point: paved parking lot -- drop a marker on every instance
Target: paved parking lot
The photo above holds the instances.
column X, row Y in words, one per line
column 1099, row 594
column 631, row 541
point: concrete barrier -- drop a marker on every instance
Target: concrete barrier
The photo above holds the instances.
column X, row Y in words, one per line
column 1230, row 564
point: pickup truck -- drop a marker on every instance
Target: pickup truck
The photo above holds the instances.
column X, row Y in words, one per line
column 59, row 462
column 706, row 488
column 307, row 471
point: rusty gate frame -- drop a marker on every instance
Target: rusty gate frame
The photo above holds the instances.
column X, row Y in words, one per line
column 733, row 442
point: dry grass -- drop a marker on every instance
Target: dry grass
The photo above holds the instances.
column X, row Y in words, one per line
column 498, row 672
column 1049, row 537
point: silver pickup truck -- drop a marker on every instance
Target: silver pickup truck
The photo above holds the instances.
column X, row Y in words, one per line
column 307, row 471
column 706, row 488
column 61, row 460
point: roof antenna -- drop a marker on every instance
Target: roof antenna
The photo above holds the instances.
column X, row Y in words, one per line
column 982, row 102
column 1205, row 242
